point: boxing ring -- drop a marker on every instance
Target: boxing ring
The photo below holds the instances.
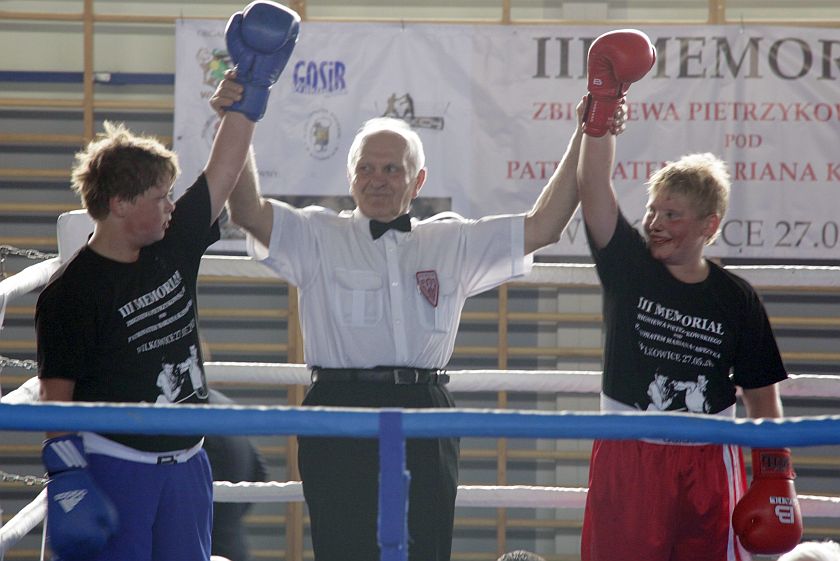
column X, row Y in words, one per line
column 392, row 427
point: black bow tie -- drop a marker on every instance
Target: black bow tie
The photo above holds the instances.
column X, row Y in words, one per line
column 401, row 223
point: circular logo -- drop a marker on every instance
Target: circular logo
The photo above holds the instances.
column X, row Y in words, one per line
column 322, row 131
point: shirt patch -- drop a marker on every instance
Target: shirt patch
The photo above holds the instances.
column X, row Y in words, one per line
column 427, row 282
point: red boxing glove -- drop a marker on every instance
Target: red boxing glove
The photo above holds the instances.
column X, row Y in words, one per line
column 767, row 519
column 616, row 60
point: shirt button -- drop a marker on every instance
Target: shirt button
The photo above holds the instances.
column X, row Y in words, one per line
column 395, row 283
column 398, row 321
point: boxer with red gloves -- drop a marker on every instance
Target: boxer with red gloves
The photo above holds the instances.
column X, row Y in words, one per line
column 659, row 500
column 101, row 336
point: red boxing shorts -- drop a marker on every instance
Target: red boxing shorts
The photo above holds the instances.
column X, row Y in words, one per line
column 662, row 502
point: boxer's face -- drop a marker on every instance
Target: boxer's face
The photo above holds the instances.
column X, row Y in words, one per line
column 380, row 182
column 147, row 216
column 675, row 234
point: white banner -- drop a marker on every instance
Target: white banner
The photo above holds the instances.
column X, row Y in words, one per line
column 494, row 106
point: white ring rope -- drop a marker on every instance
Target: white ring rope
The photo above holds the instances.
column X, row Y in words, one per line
column 767, row 276
column 489, row 496
column 571, row 273
column 775, row 276
column 24, row 282
column 23, row 522
column 571, row 381
column 568, row 381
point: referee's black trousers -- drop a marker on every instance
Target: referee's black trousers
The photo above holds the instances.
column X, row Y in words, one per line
column 341, row 478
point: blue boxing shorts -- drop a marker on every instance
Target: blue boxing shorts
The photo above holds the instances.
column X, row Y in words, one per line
column 165, row 509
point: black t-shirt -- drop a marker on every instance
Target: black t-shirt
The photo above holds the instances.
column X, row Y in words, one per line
column 675, row 346
column 128, row 332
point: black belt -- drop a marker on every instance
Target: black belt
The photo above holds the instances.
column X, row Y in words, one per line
column 381, row 375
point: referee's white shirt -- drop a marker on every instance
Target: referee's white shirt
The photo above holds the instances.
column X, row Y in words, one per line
column 360, row 301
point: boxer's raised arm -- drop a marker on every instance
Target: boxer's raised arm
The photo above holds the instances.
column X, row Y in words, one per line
column 260, row 41
column 616, row 59
column 597, row 196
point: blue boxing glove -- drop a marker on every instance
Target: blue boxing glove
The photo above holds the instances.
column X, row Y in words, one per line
column 80, row 518
column 260, row 41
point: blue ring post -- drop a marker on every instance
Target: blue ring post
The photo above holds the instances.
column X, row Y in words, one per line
column 393, row 487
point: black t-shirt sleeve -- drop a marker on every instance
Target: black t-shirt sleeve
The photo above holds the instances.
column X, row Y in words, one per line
column 190, row 231
column 625, row 251
column 758, row 362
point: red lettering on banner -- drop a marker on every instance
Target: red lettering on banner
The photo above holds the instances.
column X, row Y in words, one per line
column 781, row 171
column 538, row 169
column 786, row 112
column 652, row 112
column 769, row 111
column 822, row 112
column 741, row 140
column 802, row 114
column 833, row 172
column 635, row 170
column 553, row 111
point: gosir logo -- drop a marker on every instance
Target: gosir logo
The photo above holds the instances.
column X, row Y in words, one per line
column 325, row 77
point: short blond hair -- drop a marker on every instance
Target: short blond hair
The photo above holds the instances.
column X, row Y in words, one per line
column 119, row 163
column 702, row 178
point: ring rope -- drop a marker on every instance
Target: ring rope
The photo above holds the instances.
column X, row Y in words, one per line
column 569, row 274
column 155, row 419
column 468, row 496
column 418, row 423
column 571, row 381
column 775, row 276
column 536, row 381
column 23, row 522
column 472, row 496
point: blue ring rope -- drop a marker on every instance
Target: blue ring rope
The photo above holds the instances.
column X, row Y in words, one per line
column 393, row 426
column 329, row 421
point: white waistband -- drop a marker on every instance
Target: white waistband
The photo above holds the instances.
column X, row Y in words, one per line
column 98, row 444
column 610, row 405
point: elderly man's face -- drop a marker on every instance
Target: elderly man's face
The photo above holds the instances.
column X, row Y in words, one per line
column 380, row 182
